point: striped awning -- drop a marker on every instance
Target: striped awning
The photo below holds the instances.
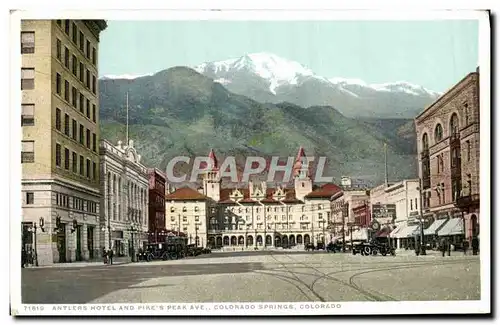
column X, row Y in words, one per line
column 435, row 227
column 453, row 227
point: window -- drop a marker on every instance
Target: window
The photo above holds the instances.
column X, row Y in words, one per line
column 82, row 41
column 93, row 84
column 66, row 57
column 454, row 132
column 466, row 110
column 66, row 26
column 58, row 50
column 320, row 216
column 58, row 155
column 74, row 97
column 30, row 197
column 82, row 170
column 88, row 138
column 455, row 188
column 66, row 124
column 416, row 204
column 58, row 83
column 82, row 72
column 27, row 78
column 59, row 22
column 94, row 142
column 438, row 133
column 27, row 151
column 94, row 113
column 94, row 58
column 196, row 218
column 27, row 114
column 455, row 159
column 425, row 142
column 184, row 209
column 94, row 170
column 58, row 119
column 87, row 53
column 172, row 209
column 88, row 168
column 75, row 33
column 66, row 90
column 184, row 219
column 74, row 65
column 81, row 133
column 74, row 161
column 82, row 102
column 88, row 108
column 27, row 42
column 66, row 158
column 87, row 80
column 468, row 149
column 74, row 130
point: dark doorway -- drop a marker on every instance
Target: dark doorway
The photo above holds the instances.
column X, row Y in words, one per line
column 90, row 241
column 474, row 226
column 79, row 243
column 61, row 243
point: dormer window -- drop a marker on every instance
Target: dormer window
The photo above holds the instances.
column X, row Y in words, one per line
column 172, row 209
column 184, row 209
column 196, row 209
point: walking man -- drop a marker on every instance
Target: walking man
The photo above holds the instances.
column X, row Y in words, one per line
column 475, row 246
column 442, row 246
column 110, row 257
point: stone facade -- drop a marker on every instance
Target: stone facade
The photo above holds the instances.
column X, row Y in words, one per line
column 342, row 205
column 124, row 213
column 448, row 146
column 60, row 178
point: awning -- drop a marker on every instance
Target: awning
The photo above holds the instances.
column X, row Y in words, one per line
column 434, row 227
column 384, row 232
column 453, row 227
column 398, row 229
column 408, row 231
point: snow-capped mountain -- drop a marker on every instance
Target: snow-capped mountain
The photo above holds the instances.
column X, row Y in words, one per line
column 266, row 77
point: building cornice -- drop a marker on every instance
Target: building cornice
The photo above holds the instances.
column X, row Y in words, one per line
column 96, row 26
column 64, row 182
column 447, row 97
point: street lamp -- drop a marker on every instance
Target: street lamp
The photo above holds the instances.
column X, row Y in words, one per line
column 32, row 229
column 133, row 228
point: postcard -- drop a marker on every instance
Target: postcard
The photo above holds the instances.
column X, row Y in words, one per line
column 250, row 162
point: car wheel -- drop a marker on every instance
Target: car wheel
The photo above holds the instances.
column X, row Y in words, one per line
column 384, row 253
column 367, row 250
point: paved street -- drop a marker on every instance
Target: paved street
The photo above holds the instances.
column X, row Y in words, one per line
column 260, row 277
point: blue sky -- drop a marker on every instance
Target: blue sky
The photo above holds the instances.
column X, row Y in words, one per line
column 434, row 54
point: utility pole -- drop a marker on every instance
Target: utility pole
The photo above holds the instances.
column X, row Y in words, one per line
column 386, row 172
column 127, row 122
column 344, row 215
column 422, row 243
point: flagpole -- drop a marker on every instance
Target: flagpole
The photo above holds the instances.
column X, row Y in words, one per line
column 127, row 122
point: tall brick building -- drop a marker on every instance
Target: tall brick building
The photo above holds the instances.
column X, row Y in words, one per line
column 60, row 137
column 448, row 156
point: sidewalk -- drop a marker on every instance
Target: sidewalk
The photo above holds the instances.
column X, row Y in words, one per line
column 116, row 261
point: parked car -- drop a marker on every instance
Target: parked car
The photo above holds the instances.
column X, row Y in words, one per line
column 333, row 247
column 309, row 247
column 373, row 248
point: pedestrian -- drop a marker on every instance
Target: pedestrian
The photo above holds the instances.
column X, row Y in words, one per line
column 466, row 245
column 417, row 247
column 442, row 246
column 23, row 257
column 104, row 256
column 449, row 248
column 475, row 245
column 110, row 257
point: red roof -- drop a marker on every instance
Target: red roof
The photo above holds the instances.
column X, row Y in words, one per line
column 213, row 161
column 185, row 193
column 325, row 191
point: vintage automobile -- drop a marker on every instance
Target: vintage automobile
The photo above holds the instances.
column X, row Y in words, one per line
column 333, row 247
column 373, row 248
column 309, row 247
column 168, row 250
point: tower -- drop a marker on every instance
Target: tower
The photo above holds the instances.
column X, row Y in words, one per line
column 211, row 178
column 302, row 180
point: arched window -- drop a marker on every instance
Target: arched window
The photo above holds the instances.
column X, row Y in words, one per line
column 454, row 125
column 438, row 133
column 425, row 142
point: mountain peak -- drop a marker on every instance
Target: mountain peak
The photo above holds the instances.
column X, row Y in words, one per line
column 275, row 70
